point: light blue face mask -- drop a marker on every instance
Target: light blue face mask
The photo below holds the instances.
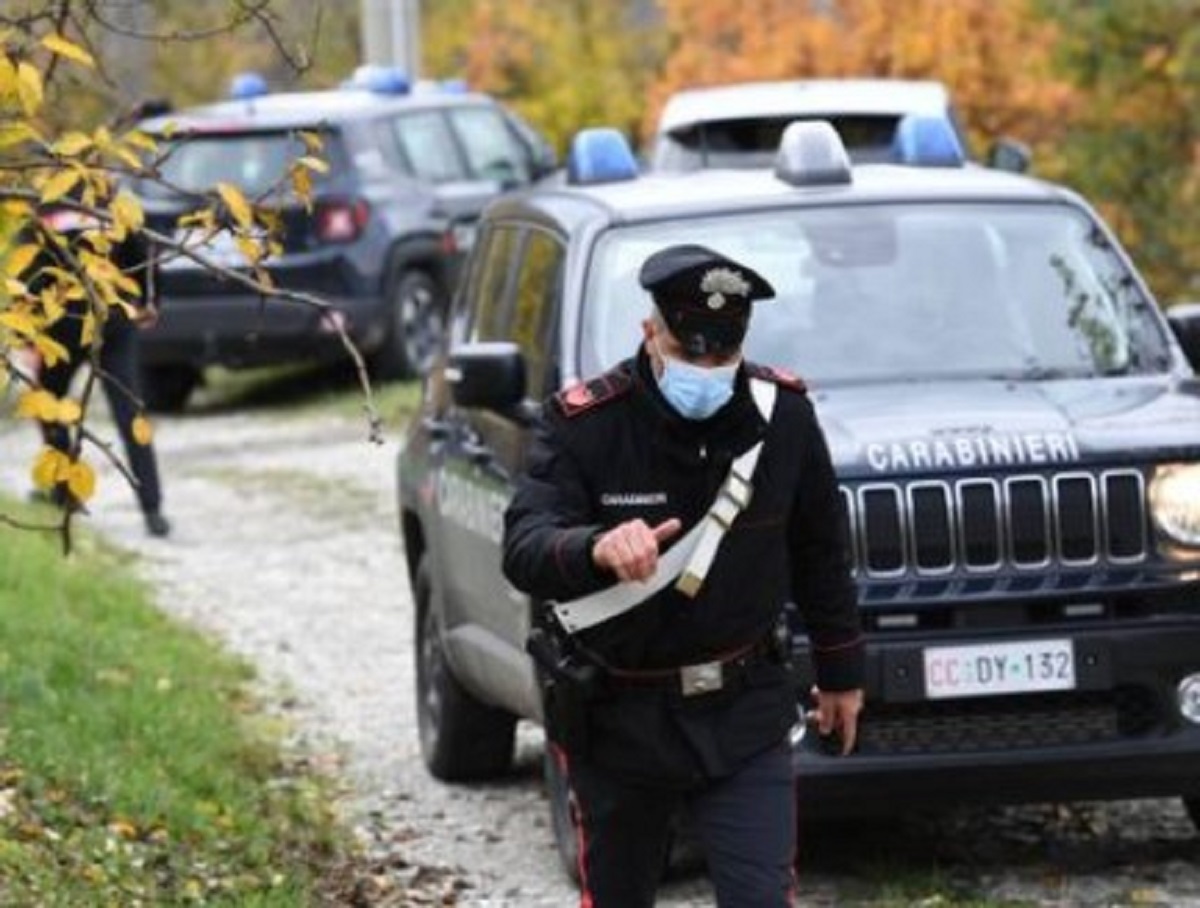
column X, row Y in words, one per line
column 696, row 392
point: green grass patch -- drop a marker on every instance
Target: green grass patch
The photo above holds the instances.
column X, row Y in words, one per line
column 134, row 766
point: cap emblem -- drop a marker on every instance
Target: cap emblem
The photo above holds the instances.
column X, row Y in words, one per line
column 719, row 282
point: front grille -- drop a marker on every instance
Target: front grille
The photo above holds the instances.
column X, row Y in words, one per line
column 1007, row 723
column 929, row 528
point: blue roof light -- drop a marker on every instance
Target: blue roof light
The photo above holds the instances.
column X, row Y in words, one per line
column 247, row 85
column 384, row 80
column 600, row 154
column 927, row 141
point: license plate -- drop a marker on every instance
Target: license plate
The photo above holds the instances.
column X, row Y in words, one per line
column 988, row 669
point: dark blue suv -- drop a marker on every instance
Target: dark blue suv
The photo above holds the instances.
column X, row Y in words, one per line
column 1014, row 425
column 408, row 174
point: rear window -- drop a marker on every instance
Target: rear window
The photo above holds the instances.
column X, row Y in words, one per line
column 752, row 142
column 253, row 162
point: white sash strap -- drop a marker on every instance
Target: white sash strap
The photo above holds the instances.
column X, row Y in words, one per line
column 691, row 557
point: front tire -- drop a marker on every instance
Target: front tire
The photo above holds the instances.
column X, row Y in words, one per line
column 416, row 325
column 462, row 739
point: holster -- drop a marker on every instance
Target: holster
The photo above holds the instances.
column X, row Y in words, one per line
column 569, row 685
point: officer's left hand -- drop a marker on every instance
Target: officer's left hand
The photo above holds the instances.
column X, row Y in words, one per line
column 837, row 711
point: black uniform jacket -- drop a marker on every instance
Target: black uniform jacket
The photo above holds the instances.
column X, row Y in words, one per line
column 613, row 449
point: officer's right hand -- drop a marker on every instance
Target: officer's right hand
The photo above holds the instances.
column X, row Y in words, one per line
column 630, row 549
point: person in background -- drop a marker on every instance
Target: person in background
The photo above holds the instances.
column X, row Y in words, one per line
column 120, row 370
column 666, row 681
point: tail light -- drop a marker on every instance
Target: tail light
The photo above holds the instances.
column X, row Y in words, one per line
column 341, row 220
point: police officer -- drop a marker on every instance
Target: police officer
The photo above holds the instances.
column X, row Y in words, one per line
column 120, row 372
column 687, row 695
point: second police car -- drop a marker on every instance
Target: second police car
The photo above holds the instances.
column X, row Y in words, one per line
column 1015, row 426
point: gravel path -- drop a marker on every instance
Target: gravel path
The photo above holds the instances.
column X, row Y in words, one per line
column 286, row 548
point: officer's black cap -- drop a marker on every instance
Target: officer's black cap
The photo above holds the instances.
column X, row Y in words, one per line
column 704, row 296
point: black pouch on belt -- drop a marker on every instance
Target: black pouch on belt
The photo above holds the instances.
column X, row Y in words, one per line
column 569, row 685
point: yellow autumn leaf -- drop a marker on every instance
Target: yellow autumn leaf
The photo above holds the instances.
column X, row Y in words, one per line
column 29, row 88
column 81, row 480
column 37, row 403
column 312, row 141
column 127, row 210
column 249, row 249
column 49, row 468
column 73, row 143
column 21, row 258
column 143, row 432
column 4, row 379
column 302, row 185
column 87, row 333
column 313, row 164
column 69, row 411
column 138, row 139
column 52, row 352
column 60, row 184
column 237, row 204
column 8, row 76
column 17, row 133
column 19, row 321
column 57, row 44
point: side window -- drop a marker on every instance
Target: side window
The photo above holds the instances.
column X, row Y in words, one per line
column 493, row 151
column 490, row 283
column 539, row 288
column 425, row 141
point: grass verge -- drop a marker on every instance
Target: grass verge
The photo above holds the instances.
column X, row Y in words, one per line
column 134, row 767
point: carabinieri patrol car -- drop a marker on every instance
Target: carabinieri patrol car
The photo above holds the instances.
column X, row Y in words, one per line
column 1015, row 425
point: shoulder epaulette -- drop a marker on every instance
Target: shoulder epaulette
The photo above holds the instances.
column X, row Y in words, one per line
column 587, row 395
column 780, row 377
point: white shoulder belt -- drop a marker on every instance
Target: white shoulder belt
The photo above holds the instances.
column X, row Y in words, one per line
column 691, row 557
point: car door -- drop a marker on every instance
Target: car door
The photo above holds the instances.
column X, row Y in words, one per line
column 495, row 444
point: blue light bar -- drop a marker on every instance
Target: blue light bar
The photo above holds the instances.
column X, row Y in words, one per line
column 927, row 141
column 247, row 85
column 600, row 154
column 384, row 80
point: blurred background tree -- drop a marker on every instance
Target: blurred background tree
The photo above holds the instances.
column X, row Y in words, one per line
column 1133, row 142
column 1106, row 92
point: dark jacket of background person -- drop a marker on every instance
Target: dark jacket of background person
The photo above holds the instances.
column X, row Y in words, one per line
column 120, row 373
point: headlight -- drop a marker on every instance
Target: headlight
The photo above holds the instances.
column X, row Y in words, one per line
column 1175, row 502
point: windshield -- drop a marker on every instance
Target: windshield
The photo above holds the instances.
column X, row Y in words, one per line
column 253, row 162
column 904, row 291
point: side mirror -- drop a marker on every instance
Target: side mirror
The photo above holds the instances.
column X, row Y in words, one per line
column 487, row 376
column 1010, row 155
column 1184, row 320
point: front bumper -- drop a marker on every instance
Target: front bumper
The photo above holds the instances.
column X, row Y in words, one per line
column 1119, row 734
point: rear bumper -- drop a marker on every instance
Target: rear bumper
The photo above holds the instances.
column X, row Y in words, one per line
column 1118, row 735
column 239, row 330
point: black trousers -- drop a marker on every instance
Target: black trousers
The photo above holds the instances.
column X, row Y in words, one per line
column 746, row 824
column 121, row 379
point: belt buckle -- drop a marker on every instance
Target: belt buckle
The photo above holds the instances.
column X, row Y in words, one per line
column 702, row 678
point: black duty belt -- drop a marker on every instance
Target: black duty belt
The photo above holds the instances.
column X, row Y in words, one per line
column 721, row 671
